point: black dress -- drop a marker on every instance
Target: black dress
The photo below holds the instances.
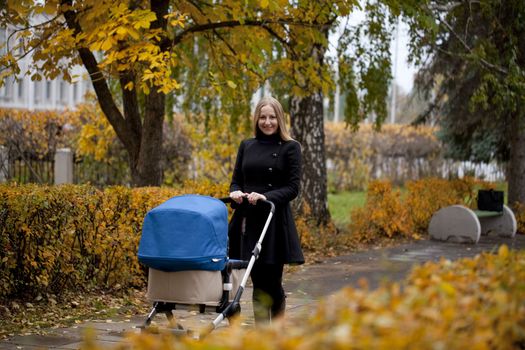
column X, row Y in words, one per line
column 272, row 167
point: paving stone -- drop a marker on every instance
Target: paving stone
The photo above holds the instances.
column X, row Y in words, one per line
column 41, row 341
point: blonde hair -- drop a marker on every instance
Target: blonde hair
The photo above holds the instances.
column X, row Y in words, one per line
column 279, row 113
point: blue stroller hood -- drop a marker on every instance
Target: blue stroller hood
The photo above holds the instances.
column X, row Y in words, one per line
column 187, row 232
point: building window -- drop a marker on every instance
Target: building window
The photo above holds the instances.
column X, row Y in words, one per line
column 20, row 93
column 38, row 91
column 3, row 41
column 6, row 91
column 48, row 90
column 62, row 91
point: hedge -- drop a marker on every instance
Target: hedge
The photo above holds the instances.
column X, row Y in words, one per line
column 54, row 238
column 71, row 237
column 390, row 213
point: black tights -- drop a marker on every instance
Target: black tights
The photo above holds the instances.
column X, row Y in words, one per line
column 269, row 300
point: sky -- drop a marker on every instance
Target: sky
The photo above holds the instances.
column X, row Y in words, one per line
column 402, row 71
column 404, row 74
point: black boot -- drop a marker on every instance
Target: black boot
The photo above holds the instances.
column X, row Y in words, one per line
column 261, row 307
column 278, row 309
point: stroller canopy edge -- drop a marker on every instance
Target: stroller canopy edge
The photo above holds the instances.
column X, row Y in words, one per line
column 188, row 232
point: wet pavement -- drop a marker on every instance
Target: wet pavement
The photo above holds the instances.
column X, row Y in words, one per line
column 304, row 286
column 386, row 264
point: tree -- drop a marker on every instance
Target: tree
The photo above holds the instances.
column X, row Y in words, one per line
column 304, row 75
column 114, row 41
column 213, row 54
column 293, row 63
column 302, row 81
column 140, row 44
column 476, row 51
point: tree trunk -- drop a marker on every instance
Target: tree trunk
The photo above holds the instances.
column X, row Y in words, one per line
column 516, row 168
column 307, row 120
column 308, row 128
column 142, row 139
column 146, row 167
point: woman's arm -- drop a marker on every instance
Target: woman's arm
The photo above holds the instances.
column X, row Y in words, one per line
column 237, row 183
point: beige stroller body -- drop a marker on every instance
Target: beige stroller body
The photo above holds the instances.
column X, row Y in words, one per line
column 208, row 289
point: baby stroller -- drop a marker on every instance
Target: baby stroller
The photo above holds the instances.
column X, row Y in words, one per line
column 184, row 243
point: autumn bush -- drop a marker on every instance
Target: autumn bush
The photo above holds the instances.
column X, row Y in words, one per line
column 319, row 240
column 78, row 237
column 384, row 214
column 99, row 156
column 214, row 142
column 388, row 213
column 398, row 152
column 426, row 196
column 39, row 133
column 54, row 238
column 471, row 303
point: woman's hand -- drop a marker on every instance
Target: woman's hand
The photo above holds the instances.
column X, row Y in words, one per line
column 237, row 196
column 254, row 197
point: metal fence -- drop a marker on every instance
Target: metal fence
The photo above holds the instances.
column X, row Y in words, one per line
column 28, row 168
column 52, row 169
column 100, row 174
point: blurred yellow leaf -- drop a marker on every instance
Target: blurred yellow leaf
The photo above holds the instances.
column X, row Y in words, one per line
column 503, row 251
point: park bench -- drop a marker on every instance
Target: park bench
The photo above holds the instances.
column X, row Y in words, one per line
column 457, row 223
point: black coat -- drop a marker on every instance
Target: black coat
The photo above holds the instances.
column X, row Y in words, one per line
column 272, row 167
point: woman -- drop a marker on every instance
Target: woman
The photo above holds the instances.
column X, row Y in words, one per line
column 268, row 167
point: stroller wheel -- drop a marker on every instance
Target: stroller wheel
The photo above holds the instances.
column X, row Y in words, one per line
column 180, row 332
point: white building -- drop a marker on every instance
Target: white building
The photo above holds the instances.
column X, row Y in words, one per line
column 23, row 93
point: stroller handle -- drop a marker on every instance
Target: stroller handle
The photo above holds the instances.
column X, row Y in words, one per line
column 244, row 202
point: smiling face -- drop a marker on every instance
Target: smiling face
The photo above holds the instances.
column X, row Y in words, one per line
column 267, row 121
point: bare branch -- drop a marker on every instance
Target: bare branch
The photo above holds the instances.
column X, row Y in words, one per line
column 104, row 95
column 230, row 24
column 469, row 49
column 280, row 39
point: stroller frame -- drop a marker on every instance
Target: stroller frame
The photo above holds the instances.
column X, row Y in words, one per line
column 225, row 308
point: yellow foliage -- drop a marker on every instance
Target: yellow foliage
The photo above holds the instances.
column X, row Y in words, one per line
column 95, row 133
column 355, row 156
column 304, row 228
column 41, row 132
column 384, row 214
column 387, row 213
column 215, row 141
column 57, row 238
column 122, row 33
column 37, row 132
column 426, row 196
column 474, row 303
column 519, row 211
column 60, row 237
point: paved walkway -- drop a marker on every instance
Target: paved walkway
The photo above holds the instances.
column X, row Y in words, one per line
column 304, row 285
